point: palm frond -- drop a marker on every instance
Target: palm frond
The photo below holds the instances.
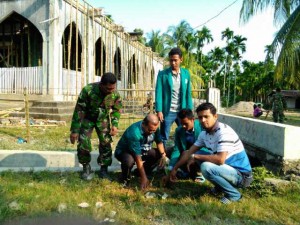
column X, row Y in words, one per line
column 286, row 45
column 282, row 9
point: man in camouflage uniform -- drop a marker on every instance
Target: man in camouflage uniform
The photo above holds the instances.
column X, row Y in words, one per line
column 98, row 106
column 279, row 105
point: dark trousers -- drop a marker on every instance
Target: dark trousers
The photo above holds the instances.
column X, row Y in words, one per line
column 278, row 116
column 151, row 160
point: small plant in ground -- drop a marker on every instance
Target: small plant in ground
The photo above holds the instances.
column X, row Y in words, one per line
column 259, row 186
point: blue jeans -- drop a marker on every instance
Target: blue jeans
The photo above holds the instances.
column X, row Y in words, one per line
column 165, row 126
column 224, row 177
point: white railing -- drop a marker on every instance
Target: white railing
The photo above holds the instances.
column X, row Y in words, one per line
column 69, row 79
column 14, row 80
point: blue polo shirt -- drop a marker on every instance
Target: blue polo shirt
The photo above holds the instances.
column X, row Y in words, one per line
column 224, row 139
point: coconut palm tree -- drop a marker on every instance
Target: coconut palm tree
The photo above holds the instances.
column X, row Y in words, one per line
column 239, row 49
column 217, row 58
column 178, row 34
column 285, row 46
column 189, row 45
column 157, row 42
column 239, row 45
column 202, row 36
column 227, row 34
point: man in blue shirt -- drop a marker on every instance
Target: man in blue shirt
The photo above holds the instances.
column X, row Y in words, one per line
column 135, row 146
column 227, row 166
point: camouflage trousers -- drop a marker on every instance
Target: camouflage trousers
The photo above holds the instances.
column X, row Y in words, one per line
column 278, row 116
column 84, row 146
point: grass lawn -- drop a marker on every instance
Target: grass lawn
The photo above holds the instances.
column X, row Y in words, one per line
column 39, row 197
column 47, row 196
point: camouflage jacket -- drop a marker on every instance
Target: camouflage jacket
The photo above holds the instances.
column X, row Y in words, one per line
column 278, row 101
column 92, row 104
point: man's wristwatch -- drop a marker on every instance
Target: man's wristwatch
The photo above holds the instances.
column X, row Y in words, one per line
column 193, row 156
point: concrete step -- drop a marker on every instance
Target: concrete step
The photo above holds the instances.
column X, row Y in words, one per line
column 28, row 160
column 52, row 110
column 56, row 104
column 46, row 116
column 59, row 110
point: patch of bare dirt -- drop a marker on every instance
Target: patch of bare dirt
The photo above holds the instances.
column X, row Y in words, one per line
column 241, row 108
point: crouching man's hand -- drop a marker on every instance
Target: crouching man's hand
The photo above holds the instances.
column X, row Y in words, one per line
column 173, row 177
column 144, row 183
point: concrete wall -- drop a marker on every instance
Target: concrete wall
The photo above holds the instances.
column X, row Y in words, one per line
column 276, row 145
column 278, row 139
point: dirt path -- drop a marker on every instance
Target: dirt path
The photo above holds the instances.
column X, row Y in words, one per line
column 245, row 109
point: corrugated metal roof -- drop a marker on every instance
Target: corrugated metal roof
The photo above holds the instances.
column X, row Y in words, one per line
column 291, row 93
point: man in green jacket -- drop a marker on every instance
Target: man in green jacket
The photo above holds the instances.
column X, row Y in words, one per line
column 185, row 136
column 98, row 106
column 172, row 92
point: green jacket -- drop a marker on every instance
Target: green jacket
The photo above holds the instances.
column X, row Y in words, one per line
column 163, row 90
column 93, row 105
column 180, row 142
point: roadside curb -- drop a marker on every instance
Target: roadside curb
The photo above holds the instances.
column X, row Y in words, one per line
column 32, row 160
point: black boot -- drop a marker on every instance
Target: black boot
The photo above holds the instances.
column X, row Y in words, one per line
column 87, row 173
column 103, row 174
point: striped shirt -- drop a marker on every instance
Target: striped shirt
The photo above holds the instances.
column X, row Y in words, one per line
column 224, row 139
column 175, row 101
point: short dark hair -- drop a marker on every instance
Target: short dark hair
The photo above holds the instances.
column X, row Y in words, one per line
column 175, row 51
column 278, row 89
column 185, row 113
column 207, row 106
column 108, row 78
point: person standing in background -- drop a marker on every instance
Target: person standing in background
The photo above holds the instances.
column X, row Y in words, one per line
column 172, row 93
column 278, row 106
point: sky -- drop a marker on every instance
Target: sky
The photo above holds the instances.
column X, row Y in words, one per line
column 157, row 15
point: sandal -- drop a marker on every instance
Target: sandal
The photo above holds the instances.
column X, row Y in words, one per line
column 225, row 201
column 199, row 179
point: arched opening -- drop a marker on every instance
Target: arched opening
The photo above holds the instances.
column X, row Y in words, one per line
column 132, row 72
column 152, row 78
column 100, row 57
column 117, row 64
column 69, row 48
column 21, row 43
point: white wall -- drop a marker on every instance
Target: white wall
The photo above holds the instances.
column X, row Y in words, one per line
column 275, row 138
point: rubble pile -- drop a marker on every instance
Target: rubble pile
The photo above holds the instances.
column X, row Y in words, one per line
column 19, row 121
